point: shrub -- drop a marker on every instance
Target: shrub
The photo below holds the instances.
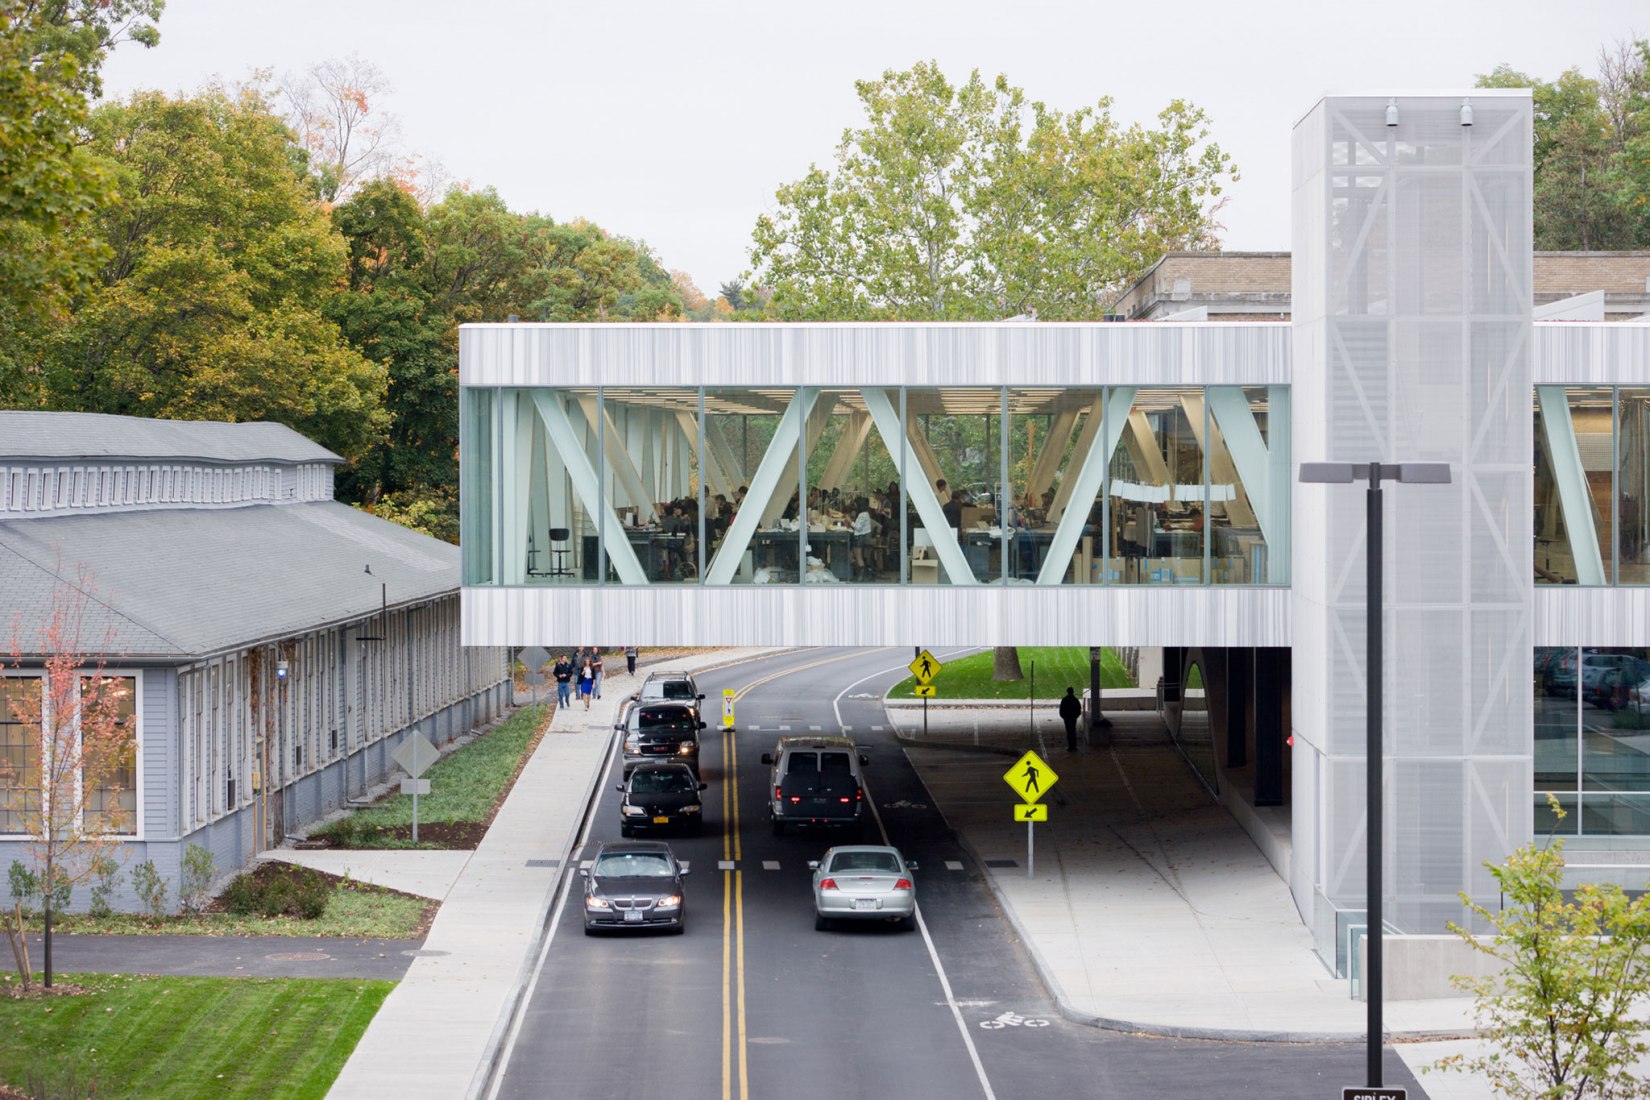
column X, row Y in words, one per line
column 283, row 891
column 150, row 887
column 24, row 883
column 241, row 895
column 107, row 873
column 196, row 881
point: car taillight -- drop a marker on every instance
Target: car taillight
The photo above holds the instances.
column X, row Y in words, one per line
column 796, row 798
column 844, row 798
column 859, row 794
column 776, row 795
column 827, row 884
column 903, row 884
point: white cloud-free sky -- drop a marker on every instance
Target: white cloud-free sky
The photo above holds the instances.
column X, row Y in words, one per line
column 675, row 122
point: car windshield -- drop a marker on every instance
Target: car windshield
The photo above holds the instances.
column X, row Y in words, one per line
column 633, row 865
column 657, row 718
column 865, row 861
column 674, row 781
column 668, row 689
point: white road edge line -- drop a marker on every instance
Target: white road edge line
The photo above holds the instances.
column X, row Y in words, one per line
column 550, row 936
column 922, row 925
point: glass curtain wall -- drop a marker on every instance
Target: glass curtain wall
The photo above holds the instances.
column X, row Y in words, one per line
column 853, row 497
column 1156, row 489
column 754, row 436
column 1574, row 473
column 1632, row 518
column 1592, row 711
column 954, row 459
column 652, row 478
column 1052, row 434
column 476, row 445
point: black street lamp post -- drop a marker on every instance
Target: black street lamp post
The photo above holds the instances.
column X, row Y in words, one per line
column 1345, row 473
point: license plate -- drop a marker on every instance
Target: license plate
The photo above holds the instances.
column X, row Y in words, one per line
column 865, row 903
column 633, row 916
column 661, row 821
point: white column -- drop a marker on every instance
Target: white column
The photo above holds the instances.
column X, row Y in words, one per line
column 927, row 505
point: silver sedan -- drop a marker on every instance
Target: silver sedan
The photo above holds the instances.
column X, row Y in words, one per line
column 864, row 882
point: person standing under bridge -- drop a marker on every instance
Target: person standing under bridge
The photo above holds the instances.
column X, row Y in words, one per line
column 1070, row 711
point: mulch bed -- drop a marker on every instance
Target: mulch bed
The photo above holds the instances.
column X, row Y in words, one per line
column 456, row 835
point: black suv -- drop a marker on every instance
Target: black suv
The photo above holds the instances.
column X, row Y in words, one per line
column 658, row 796
column 657, row 733
column 670, row 687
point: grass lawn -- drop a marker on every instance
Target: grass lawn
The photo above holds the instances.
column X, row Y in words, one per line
column 144, row 1037
column 465, row 788
column 355, row 910
column 1058, row 667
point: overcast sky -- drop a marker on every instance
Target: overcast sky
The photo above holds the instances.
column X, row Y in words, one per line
column 675, row 122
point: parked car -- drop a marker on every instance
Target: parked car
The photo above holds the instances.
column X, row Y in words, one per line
column 661, row 796
column 670, row 687
column 634, row 884
column 864, row 882
column 1611, row 687
column 661, row 732
column 1560, row 674
column 816, row 781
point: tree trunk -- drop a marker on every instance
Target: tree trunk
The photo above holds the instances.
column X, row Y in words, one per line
column 1005, row 663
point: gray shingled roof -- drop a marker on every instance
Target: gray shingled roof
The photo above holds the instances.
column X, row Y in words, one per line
column 56, row 435
column 184, row 582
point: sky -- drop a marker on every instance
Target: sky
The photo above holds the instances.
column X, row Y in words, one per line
column 675, row 124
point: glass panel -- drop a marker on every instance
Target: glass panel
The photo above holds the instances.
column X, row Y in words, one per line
column 956, row 436
column 544, row 524
column 1591, row 420
column 20, row 742
column 1156, row 489
column 1556, row 757
column 741, row 426
column 853, row 497
column 1546, row 824
column 652, row 475
column 476, row 445
column 1240, row 443
column 1613, row 716
column 1615, row 814
column 109, row 718
column 1051, row 433
column 1633, row 484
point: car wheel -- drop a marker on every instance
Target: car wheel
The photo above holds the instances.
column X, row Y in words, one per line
column 822, row 923
column 908, row 924
column 778, row 827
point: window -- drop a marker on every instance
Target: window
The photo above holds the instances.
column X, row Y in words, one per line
column 19, row 753
column 109, row 707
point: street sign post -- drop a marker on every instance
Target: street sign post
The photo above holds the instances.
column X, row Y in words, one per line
column 727, row 707
column 924, row 668
column 414, row 757
column 1030, row 777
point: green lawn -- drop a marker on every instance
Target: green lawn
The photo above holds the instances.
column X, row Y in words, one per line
column 465, row 785
column 1058, row 667
column 145, row 1037
column 356, row 910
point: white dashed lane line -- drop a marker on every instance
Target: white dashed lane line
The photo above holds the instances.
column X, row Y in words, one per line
column 770, row 865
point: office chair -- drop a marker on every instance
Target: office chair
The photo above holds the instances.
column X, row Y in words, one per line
column 561, row 535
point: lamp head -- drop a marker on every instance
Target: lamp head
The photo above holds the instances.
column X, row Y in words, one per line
column 1466, row 112
column 1392, row 111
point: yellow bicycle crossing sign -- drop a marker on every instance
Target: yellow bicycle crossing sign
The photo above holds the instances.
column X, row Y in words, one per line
column 1031, row 777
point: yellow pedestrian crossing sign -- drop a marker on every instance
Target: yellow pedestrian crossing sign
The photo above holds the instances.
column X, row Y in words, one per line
column 927, row 691
column 1031, row 777
column 1030, row 811
column 925, row 668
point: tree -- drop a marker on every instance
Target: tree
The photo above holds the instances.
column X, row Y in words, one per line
column 968, row 203
column 1005, row 663
column 331, row 108
column 210, row 302
column 83, row 762
column 1561, row 1016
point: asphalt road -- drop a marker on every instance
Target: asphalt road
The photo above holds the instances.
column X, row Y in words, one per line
column 751, row 1002
column 224, row 956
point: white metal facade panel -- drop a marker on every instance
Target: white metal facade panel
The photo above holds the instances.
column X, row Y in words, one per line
column 1001, row 354
column 840, row 615
column 1592, row 354
column 1413, row 339
column 1570, row 615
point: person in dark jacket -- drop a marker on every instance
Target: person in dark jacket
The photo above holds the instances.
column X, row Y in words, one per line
column 563, row 672
column 1070, row 711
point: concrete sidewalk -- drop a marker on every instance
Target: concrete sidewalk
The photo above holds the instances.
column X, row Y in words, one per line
column 437, row 1032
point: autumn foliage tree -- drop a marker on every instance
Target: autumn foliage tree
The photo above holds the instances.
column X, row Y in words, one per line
column 66, row 791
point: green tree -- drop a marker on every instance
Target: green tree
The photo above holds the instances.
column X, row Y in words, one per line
column 219, row 262
column 1560, row 1017
column 969, row 203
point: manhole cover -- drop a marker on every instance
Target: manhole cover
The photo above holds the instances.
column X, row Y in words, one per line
column 424, row 953
column 298, row 957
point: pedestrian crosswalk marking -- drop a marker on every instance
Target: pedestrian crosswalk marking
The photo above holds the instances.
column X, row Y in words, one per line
column 770, row 865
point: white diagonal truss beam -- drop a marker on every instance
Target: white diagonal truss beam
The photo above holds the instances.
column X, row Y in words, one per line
column 1086, row 485
column 817, row 420
column 1048, row 459
column 848, row 447
column 926, row 459
column 1085, row 443
column 617, row 456
column 1571, row 477
column 586, row 486
column 764, row 484
column 1225, row 465
column 716, row 475
column 940, row 533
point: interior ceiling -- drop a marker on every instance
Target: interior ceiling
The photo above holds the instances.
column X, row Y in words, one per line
column 969, row 401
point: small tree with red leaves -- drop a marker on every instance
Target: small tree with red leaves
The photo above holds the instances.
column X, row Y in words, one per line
column 65, row 782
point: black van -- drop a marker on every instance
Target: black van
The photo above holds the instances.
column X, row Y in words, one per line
column 661, row 732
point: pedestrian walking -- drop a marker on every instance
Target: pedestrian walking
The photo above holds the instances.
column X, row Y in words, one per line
column 597, row 667
column 630, row 655
column 563, row 672
column 1070, row 711
column 587, row 682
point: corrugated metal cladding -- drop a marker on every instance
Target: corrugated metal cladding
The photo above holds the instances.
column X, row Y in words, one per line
column 1018, row 615
column 995, row 354
column 1571, row 615
column 1592, row 353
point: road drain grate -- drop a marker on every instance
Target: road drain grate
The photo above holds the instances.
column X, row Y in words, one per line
column 1002, row 863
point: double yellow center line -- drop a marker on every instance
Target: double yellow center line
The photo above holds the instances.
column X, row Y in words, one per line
column 733, row 901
